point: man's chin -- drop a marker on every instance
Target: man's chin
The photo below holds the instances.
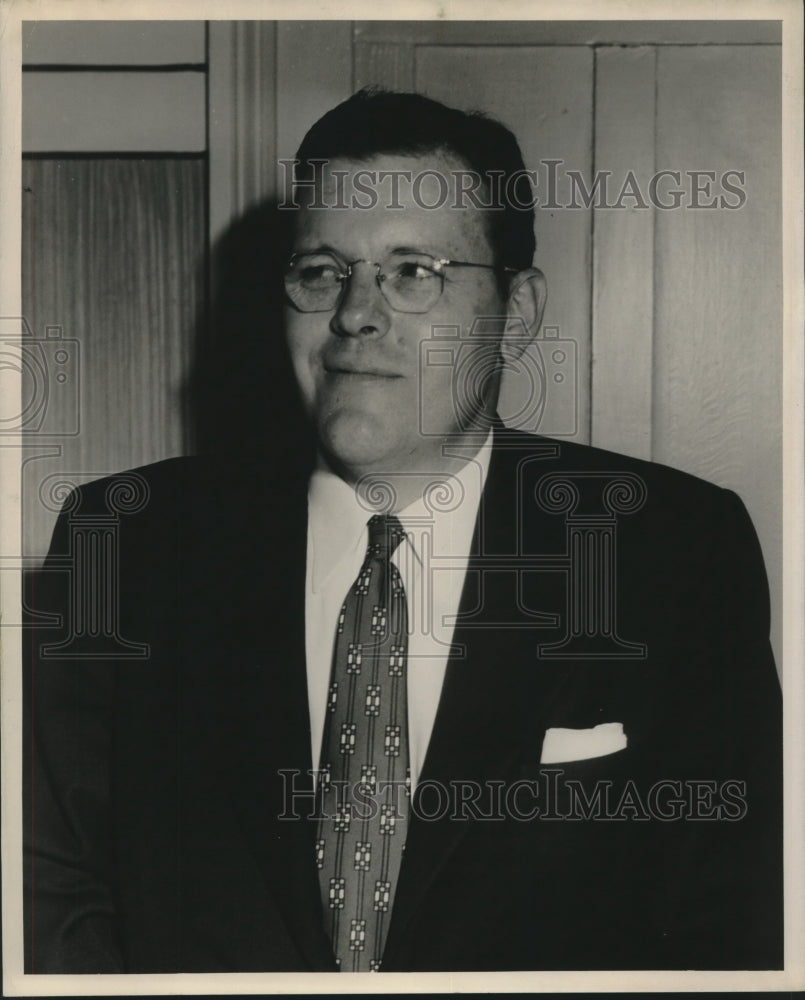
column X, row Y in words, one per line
column 357, row 443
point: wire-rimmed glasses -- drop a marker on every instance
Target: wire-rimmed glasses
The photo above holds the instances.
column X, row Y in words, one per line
column 411, row 282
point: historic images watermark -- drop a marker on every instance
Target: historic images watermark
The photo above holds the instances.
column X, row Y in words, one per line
column 553, row 186
column 550, row 796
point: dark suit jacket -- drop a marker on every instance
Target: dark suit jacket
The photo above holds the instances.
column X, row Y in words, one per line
column 155, row 786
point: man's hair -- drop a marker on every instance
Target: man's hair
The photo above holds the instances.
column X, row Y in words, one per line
column 374, row 122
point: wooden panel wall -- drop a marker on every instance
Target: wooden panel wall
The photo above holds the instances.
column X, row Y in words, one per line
column 314, row 73
column 623, row 255
column 99, row 111
column 241, row 118
column 113, row 43
column 111, row 251
column 113, row 86
column 114, row 244
column 718, row 280
column 545, row 95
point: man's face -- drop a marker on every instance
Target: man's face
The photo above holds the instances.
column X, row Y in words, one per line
column 359, row 365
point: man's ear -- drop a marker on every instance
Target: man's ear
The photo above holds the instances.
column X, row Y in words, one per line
column 528, row 293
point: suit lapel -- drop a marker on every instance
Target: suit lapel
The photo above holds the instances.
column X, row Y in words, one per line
column 496, row 696
column 270, row 779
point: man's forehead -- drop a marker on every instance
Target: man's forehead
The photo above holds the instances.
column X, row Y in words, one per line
column 405, row 199
column 441, row 160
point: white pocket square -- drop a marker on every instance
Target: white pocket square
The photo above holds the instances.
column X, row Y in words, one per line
column 561, row 746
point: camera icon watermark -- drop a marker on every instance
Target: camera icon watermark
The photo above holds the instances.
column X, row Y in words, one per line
column 539, row 377
column 48, row 368
column 556, row 359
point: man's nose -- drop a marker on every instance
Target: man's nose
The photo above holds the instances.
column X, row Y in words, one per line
column 362, row 311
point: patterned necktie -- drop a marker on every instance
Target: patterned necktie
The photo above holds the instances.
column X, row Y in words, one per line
column 364, row 782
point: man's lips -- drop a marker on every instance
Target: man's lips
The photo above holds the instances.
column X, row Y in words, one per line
column 362, row 372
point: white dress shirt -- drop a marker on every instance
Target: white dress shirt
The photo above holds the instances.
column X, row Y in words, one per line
column 432, row 561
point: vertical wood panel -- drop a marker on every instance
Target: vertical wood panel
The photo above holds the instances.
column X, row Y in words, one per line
column 623, row 254
column 314, row 73
column 242, row 117
column 718, row 336
column 111, row 255
column 545, row 96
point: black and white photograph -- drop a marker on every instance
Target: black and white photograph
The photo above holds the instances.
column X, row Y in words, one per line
column 401, row 447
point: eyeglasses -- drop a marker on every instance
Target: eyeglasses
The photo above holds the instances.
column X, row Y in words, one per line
column 409, row 282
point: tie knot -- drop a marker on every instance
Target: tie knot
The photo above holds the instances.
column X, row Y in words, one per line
column 385, row 534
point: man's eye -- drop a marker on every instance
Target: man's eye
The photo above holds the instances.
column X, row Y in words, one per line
column 318, row 274
column 411, row 270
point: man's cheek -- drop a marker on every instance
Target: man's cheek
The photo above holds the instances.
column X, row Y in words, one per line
column 436, row 403
column 305, row 371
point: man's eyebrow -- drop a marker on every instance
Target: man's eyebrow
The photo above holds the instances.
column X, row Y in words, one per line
column 321, row 248
column 430, row 250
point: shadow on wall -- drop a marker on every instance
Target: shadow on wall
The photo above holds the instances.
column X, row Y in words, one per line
column 241, row 395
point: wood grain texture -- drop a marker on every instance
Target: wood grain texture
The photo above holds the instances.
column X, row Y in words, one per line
column 718, row 336
column 623, row 253
column 121, row 112
column 544, row 95
column 111, row 255
column 113, row 43
column 242, row 118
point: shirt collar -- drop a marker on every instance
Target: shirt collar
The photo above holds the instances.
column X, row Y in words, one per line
column 336, row 522
column 337, row 519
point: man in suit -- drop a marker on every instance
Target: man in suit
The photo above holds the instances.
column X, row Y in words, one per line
column 438, row 695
